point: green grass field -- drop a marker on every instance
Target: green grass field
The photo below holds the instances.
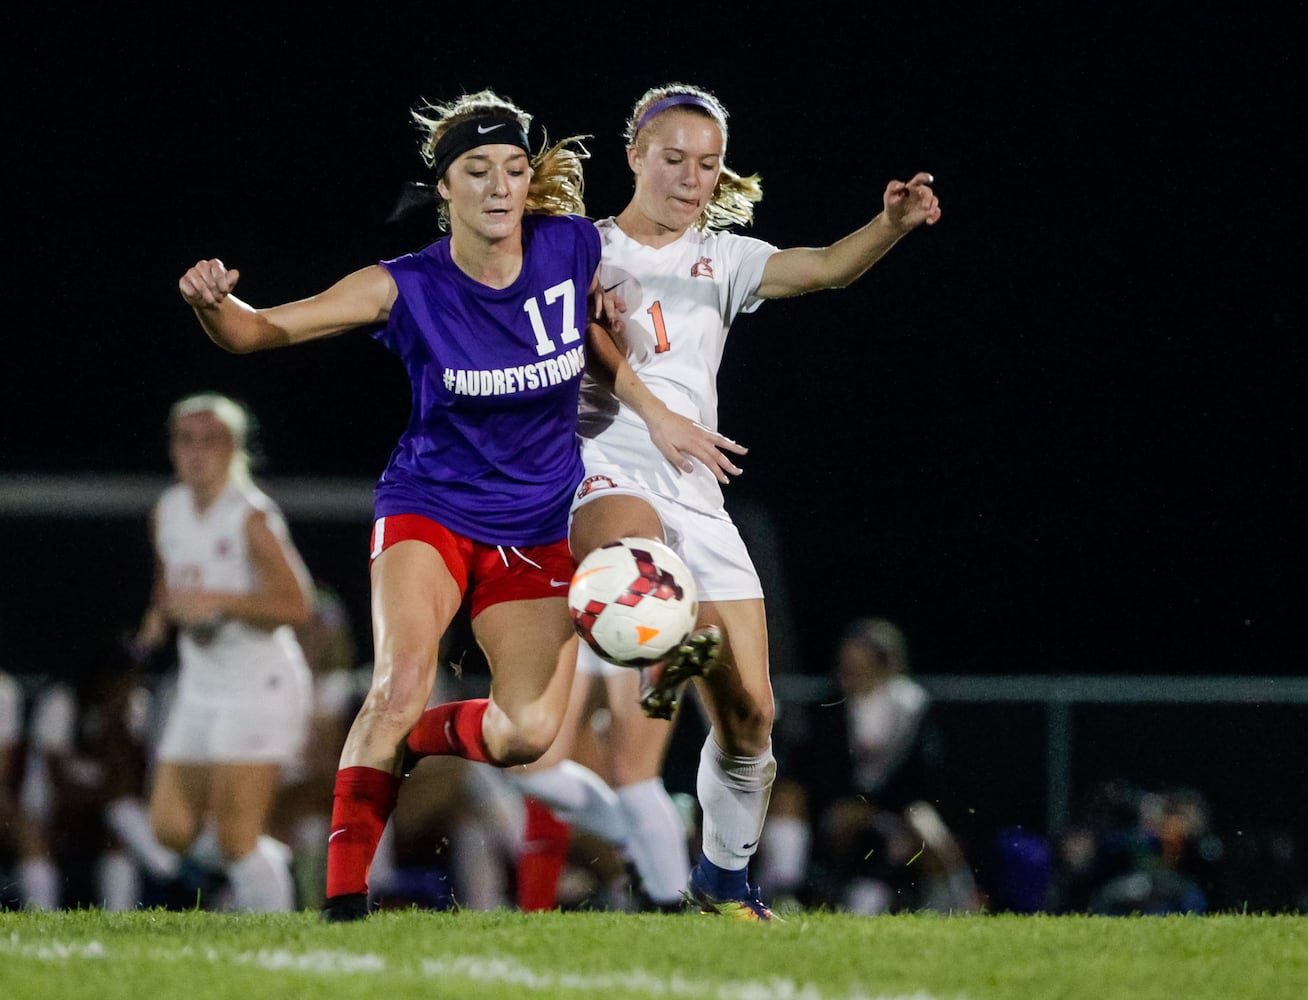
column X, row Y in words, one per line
column 812, row 956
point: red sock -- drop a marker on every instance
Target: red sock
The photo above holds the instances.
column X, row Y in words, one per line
column 452, row 730
column 362, row 803
column 544, row 850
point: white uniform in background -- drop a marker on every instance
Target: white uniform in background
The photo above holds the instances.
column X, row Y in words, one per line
column 244, row 694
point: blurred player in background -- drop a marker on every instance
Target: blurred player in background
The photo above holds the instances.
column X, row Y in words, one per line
column 231, row 585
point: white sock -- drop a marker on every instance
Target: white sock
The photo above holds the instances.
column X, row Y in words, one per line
column 734, row 794
column 38, row 878
column 128, row 819
column 656, row 839
column 310, row 858
column 785, row 854
column 498, row 804
column 382, row 872
column 261, row 881
column 120, row 881
column 479, row 869
column 578, row 797
column 205, row 853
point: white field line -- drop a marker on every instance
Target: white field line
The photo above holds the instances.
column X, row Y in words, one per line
column 488, row 970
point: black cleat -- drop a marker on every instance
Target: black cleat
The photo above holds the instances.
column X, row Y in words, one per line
column 345, row 908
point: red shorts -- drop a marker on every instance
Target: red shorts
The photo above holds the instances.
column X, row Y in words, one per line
column 494, row 574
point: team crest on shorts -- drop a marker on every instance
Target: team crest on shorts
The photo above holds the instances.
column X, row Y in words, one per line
column 593, row 483
column 702, row 268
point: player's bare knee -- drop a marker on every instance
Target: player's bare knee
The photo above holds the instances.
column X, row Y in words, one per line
column 176, row 832
column 745, row 728
column 525, row 742
column 394, row 707
column 235, row 841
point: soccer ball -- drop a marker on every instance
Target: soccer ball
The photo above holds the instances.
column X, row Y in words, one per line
column 633, row 601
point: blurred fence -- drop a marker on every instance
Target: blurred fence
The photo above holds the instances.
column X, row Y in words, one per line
column 1239, row 722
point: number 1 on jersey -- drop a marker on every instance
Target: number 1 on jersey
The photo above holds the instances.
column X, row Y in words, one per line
column 660, row 329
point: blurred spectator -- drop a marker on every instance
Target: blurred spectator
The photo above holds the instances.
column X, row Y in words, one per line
column 869, row 772
column 84, row 777
column 1133, row 851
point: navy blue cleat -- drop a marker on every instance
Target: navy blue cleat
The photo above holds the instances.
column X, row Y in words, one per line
column 747, row 907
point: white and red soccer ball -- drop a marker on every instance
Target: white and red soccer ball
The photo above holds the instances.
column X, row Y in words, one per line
column 633, row 601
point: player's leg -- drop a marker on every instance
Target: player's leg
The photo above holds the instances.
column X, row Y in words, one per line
column 656, row 836
column 737, row 768
column 414, row 597
column 605, row 517
column 561, row 793
column 258, row 867
column 531, row 649
column 178, row 796
column 179, row 786
column 254, row 743
column 520, row 620
column 573, row 792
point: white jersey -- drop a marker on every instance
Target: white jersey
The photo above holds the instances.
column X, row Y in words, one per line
column 209, row 550
column 681, row 301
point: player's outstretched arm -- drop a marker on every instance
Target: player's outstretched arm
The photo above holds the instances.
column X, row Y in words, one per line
column 905, row 206
column 358, row 299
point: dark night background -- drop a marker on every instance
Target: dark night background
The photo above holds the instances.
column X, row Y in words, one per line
column 1061, row 432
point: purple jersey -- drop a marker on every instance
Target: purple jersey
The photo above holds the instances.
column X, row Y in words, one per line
column 491, row 448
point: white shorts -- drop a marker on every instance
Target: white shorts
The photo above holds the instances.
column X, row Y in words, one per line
column 262, row 730
column 709, row 543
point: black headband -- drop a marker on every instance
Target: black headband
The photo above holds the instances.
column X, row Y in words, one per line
column 482, row 131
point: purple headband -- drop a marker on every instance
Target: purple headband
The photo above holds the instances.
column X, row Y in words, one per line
column 671, row 101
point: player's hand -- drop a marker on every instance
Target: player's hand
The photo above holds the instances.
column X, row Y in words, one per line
column 152, row 634
column 207, row 283
column 909, row 205
column 682, row 442
column 192, row 608
column 609, row 309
